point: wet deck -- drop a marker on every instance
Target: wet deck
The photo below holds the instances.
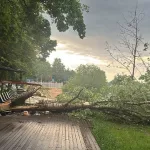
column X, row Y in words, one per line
column 54, row 132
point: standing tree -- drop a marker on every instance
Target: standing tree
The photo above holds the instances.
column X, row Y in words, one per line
column 88, row 76
column 120, row 79
column 42, row 70
column 68, row 74
column 84, row 86
column 25, row 33
column 58, row 70
column 129, row 54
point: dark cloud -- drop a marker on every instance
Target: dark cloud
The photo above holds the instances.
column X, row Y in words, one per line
column 104, row 14
column 101, row 24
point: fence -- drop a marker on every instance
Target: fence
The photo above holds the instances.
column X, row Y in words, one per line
column 50, row 84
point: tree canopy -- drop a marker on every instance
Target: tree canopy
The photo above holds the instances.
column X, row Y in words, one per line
column 120, row 79
column 59, row 72
column 25, row 33
column 42, row 70
column 88, row 76
column 89, row 79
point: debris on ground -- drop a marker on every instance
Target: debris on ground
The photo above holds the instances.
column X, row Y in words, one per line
column 26, row 113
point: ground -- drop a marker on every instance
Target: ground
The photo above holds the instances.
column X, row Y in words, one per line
column 51, row 93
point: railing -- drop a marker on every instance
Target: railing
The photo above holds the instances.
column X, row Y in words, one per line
column 19, row 95
column 50, row 84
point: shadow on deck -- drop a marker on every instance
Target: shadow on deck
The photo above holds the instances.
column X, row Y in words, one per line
column 53, row 132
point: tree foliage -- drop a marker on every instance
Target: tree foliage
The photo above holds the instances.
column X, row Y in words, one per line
column 88, row 76
column 59, row 71
column 120, row 79
column 42, row 70
column 25, row 33
column 124, row 99
column 145, row 77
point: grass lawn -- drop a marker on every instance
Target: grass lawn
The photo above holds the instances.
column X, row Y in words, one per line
column 115, row 136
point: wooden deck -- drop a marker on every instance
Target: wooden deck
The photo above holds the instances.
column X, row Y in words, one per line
column 53, row 132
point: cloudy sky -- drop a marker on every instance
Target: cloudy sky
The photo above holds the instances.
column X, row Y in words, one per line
column 101, row 24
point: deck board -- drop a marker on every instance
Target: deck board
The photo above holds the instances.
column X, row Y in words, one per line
column 53, row 132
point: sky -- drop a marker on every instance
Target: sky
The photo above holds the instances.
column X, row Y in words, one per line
column 101, row 27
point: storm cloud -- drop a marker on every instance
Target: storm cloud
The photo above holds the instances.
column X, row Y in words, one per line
column 101, row 26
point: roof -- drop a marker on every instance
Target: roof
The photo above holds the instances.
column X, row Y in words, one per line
column 10, row 69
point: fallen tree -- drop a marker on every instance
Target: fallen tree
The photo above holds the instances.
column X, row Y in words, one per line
column 124, row 99
column 120, row 113
column 108, row 107
column 128, row 100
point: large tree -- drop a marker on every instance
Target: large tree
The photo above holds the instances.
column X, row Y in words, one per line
column 89, row 76
column 58, row 70
column 85, row 85
column 68, row 74
column 25, row 33
column 42, row 70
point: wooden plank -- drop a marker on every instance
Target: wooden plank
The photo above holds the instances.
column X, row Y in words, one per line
column 17, row 138
column 28, row 139
column 11, row 141
column 59, row 138
column 40, row 142
column 5, row 137
column 88, row 137
column 71, row 140
column 38, row 137
column 66, row 137
column 33, row 139
column 27, row 136
column 5, row 130
column 43, row 137
column 76, row 137
column 75, row 145
column 51, row 144
column 63, row 136
column 46, row 140
column 92, row 140
column 22, row 140
column 4, row 126
column 81, row 144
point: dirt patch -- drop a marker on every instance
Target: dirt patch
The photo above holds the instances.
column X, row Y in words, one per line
column 50, row 93
column 54, row 92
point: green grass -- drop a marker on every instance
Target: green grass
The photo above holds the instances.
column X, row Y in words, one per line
column 115, row 136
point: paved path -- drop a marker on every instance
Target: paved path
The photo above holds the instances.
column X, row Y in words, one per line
column 53, row 132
